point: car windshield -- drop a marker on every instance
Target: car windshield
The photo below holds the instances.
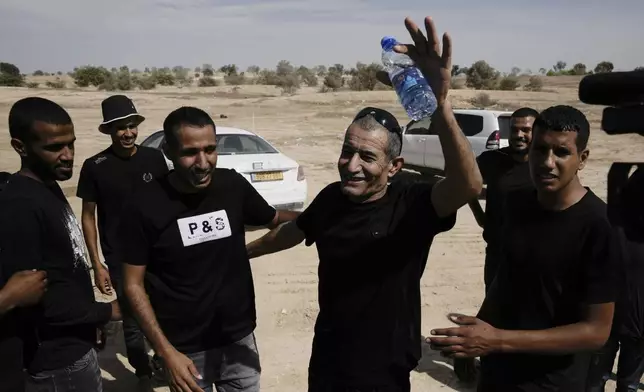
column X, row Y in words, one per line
column 230, row 144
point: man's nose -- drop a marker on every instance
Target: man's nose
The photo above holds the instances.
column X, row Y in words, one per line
column 67, row 154
column 354, row 164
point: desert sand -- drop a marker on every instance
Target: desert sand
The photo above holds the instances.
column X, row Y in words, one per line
column 309, row 127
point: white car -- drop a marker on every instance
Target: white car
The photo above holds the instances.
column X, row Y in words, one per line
column 485, row 130
column 279, row 179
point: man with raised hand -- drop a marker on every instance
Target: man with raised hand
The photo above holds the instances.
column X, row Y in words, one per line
column 373, row 239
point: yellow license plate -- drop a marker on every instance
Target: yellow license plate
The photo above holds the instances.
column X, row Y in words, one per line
column 267, row 176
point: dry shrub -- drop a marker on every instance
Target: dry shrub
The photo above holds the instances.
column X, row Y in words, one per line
column 535, row 84
column 207, row 81
column 483, row 100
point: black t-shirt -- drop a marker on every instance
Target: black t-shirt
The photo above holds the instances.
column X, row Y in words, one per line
column 629, row 309
column 39, row 231
column 503, row 175
column 555, row 263
column 109, row 180
column 198, row 277
column 372, row 257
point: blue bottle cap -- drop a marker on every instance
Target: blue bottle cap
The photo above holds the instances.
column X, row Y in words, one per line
column 388, row 43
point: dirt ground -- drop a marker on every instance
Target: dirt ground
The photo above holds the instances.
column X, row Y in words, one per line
column 309, row 127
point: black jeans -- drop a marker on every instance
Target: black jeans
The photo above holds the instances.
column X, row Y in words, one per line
column 137, row 354
column 630, row 366
column 83, row 375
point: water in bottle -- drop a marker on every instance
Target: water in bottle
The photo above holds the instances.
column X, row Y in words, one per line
column 415, row 95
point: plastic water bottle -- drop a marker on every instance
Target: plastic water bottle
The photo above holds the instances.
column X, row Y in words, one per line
column 414, row 93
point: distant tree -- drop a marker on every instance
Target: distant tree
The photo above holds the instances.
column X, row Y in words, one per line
column 147, row 70
column 253, row 69
column 542, row 71
column 365, row 78
column 579, row 69
column 481, row 76
column 207, row 70
column 456, row 70
column 284, row 68
column 604, row 67
column 515, row 71
column 197, row 69
column 320, row 70
column 38, row 73
column 228, row 70
column 639, row 69
column 337, row 68
column 560, row 66
column 91, row 76
column 10, row 75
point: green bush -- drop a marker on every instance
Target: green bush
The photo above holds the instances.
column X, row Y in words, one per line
column 364, row 78
column 10, row 75
column 333, row 81
column 90, row 76
column 509, row 83
column 481, row 76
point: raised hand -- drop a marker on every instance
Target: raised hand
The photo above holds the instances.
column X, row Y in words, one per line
column 434, row 63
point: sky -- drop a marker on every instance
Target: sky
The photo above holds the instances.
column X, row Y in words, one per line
column 60, row 35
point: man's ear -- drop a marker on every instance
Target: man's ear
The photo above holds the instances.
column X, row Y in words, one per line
column 395, row 166
column 19, row 147
column 583, row 158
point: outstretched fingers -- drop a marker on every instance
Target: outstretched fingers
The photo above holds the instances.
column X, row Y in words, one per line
column 416, row 35
column 432, row 37
column 447, row 51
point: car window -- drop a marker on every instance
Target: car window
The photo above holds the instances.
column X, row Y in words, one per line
column 504, row 126
column 243, row 144
column 420, row 127
column 470, row 124
column 154, row 140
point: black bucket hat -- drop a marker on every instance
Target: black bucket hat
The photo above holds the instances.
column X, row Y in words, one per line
column 118, row 107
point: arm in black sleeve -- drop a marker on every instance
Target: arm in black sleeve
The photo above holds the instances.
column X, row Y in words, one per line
column 24, row 249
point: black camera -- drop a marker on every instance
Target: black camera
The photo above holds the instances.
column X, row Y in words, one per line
column 623, row 93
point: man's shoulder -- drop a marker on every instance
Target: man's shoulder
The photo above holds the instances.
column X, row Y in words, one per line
column 97, row 159
column 149, row 151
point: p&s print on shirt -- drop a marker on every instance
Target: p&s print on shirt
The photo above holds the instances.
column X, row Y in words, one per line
column 204, row 228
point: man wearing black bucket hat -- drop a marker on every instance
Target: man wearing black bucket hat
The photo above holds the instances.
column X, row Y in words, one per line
column 106, row 181
column 373, row 239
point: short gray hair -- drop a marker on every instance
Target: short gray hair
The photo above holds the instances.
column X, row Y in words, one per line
column 394, row 140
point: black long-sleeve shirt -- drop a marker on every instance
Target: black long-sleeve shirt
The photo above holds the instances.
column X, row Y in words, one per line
column 38, row 230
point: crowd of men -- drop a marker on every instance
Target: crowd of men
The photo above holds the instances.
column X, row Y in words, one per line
column 561, row 283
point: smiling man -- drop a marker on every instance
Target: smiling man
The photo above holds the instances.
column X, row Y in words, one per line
column 373, row 239
column 107, row 180
column 185, row 233
column 552, row 300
